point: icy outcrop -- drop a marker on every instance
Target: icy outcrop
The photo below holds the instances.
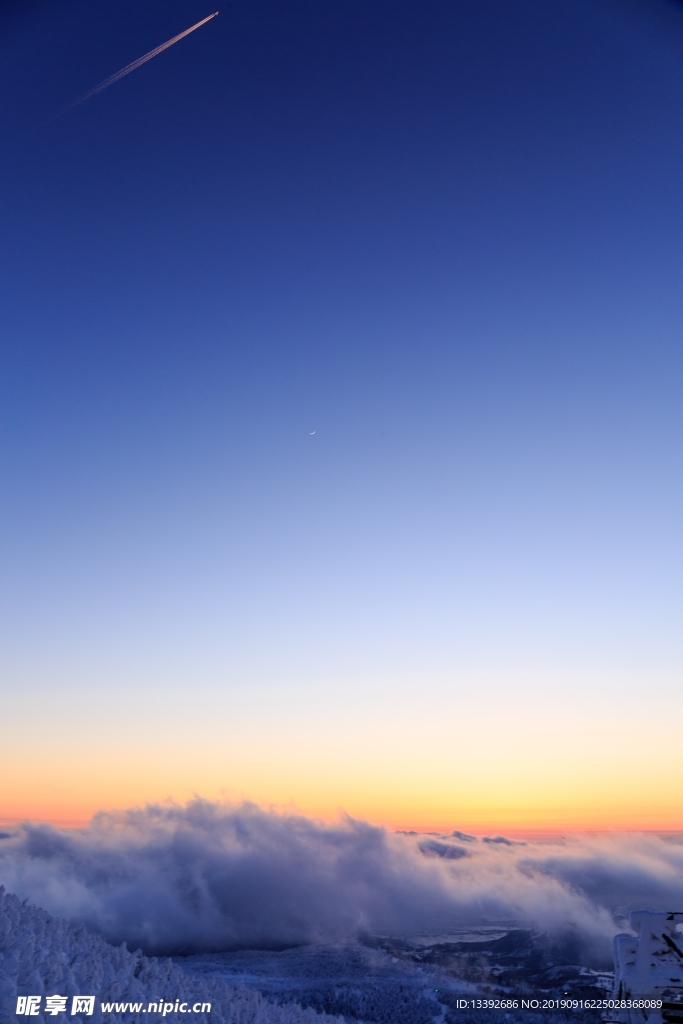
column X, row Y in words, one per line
column 649, row 966
column 41, row 955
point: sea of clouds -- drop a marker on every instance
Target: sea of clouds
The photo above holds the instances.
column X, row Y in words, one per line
column 214, row 876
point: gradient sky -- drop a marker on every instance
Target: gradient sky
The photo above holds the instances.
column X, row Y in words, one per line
column 447, row 238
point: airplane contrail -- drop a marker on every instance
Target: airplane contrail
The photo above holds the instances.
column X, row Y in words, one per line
column 136, row 64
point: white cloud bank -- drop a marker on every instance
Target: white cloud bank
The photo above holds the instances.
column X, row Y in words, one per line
column 213, row 876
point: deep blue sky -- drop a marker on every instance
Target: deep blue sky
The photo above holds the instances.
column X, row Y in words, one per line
column 445, row 236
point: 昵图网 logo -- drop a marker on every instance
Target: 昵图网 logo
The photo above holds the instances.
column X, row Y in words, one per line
column 30, row 1006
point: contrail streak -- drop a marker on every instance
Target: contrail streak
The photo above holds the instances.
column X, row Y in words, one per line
column 136, row 64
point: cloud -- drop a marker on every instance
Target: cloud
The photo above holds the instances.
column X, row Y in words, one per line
column 215, row 876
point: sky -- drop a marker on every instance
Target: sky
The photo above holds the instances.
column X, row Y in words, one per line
column 340, row 418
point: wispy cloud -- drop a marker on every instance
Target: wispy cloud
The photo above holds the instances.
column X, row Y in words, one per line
column 135, row 64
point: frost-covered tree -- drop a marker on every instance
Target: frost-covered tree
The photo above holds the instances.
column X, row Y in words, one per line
column 41, row 955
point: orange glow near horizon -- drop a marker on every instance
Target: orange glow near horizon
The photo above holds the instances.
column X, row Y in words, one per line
column 531, row 828
column 532, row 820
column 541, row 763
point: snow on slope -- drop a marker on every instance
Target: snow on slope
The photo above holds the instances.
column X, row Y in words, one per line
column 41, row 955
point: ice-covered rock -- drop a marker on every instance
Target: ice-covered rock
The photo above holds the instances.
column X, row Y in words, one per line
column 648, row 967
